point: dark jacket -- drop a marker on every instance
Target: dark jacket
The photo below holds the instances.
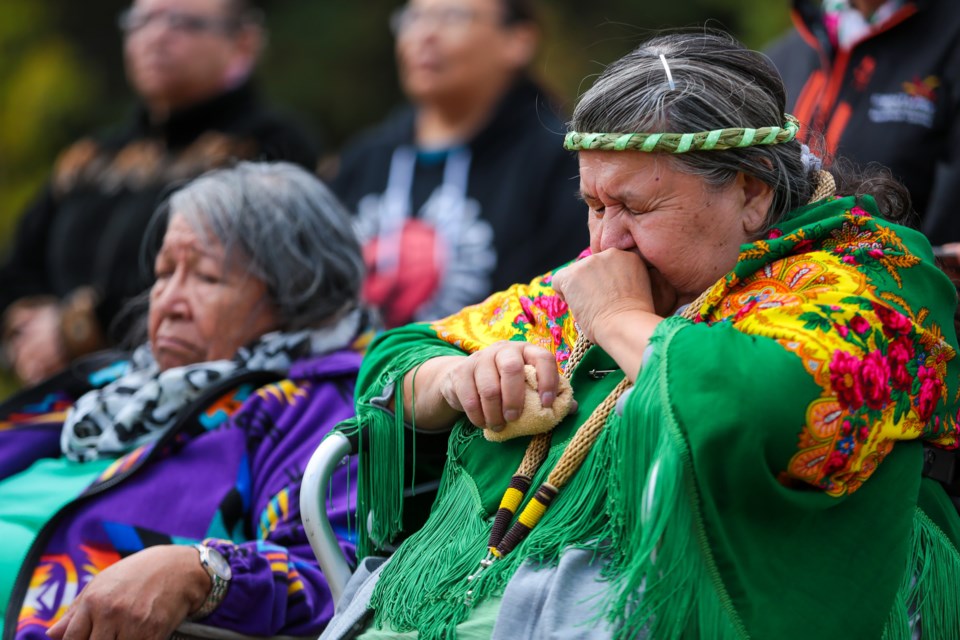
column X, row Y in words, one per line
column 87, row 227
column 892, row 98
column 520, row 216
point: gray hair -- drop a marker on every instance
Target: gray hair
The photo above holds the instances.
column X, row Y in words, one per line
column 287, row 229
column 719, row 84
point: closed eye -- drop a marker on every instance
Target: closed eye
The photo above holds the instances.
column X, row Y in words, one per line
column 592, row 203
column 209, row 278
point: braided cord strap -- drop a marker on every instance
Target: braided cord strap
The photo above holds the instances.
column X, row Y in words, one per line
column 535, row 454
column 716, row 140
column 578, row 448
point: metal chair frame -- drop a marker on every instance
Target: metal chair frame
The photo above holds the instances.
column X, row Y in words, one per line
column 327, row 457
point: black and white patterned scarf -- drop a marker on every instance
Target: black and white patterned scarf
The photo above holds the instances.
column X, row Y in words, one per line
column 143, row 404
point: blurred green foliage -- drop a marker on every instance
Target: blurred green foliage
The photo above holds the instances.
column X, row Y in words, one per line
column 47, row 93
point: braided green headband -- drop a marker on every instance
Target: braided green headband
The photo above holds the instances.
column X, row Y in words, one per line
column 716, row 140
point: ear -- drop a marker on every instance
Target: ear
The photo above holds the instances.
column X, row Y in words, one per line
column 247, row 45
column 757, row 197
column 521, row 46
column 250, row 41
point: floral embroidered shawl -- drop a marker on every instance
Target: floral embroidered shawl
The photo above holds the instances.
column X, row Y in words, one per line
column 764, row 476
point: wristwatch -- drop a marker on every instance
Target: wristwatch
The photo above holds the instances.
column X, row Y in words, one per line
column 219, row 571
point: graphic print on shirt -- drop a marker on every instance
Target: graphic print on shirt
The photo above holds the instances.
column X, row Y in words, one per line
column 433, row 264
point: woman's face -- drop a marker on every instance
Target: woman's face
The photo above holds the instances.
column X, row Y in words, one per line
column 688, row 233
column 203, row 307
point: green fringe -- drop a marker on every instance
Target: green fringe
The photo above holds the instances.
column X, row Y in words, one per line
column 667, row 585
column 657, row 557
column 380, row 482
column 578, row 517
column 425, row 591
column 643, row 520
column 929, row 586
column 423, row 586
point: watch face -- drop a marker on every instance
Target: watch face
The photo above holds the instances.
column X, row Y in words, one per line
column 218, row 563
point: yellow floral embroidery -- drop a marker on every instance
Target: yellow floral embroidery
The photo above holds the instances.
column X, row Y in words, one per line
column 530, row 312
column 816, row 306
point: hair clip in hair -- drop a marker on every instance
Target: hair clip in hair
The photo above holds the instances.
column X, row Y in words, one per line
column 666, row 67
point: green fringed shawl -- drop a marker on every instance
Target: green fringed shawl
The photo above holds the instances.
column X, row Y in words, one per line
column 717, row 511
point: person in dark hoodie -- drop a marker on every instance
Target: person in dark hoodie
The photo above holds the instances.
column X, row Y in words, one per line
column 74, row 262
column 467, row 189
column 881, row 81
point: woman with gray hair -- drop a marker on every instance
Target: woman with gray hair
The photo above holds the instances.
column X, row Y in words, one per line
column 168, row 492
column 760, row 359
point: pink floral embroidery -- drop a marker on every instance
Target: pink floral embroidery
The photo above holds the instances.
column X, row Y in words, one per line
column 527, row 306
column 844, row 379
column 557, row 332
column 859, row 324
column 835, row 461
column 874, row 374
column 930, row 388
column 894, row 323
column 745, row 309
column 552, row 305
column 900, row 353
column 774, row 234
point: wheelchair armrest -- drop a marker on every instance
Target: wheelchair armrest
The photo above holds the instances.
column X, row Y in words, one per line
column 313, row 512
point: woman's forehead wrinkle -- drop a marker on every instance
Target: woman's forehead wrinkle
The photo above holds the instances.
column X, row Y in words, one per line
column 184, row 241
column 632, row 184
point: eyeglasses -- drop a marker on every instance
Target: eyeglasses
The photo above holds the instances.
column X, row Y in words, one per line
column 405, row 18
column 131, row 21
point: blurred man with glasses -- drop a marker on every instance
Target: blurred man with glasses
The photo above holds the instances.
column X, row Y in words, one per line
column 449, row 190
column 74, row 263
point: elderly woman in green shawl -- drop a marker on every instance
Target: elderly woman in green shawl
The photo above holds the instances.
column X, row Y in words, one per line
column 760, row 360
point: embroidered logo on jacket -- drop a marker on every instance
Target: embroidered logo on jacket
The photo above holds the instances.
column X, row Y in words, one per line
column 916, row 104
